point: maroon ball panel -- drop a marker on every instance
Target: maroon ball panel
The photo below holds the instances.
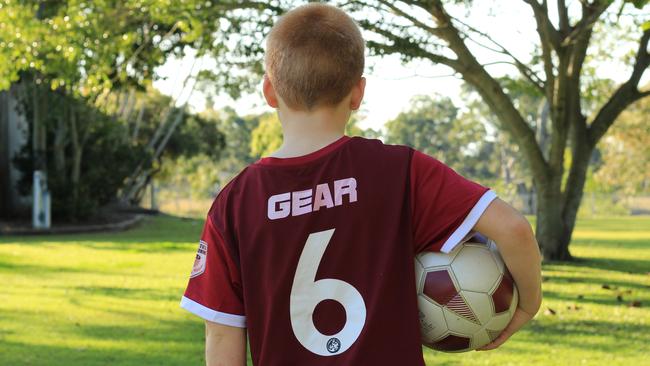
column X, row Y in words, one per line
column 502, row 296
column 439, row 287
column 451, row 343
column 329, row 317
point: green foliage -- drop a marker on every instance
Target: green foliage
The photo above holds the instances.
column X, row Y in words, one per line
column 432, row 125
column 197, row 136
column 107, row 160
column 112, row 298
column 626, row 152
column 237, row 133
column 267, row 136
column 97, row 46
column 193, row 177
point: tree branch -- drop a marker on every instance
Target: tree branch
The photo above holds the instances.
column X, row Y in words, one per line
column 544, row 23
column 590, row 14
column 526, row 71
column 625, row 95
column 411, row 18
column 563, row 13
column 401, row 44
column 549, row 41
column 491, row 91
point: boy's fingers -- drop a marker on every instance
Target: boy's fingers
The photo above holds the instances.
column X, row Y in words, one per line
column 498, row 341
column 518, row 320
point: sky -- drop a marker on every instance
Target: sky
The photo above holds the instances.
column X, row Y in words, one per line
column 390, row 84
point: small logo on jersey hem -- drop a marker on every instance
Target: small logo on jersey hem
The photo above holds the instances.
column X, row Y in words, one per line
column 201, row 257
column 333, row 345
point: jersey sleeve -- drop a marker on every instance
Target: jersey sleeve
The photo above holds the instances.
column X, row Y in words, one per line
column 214, row 291
column 444, row 205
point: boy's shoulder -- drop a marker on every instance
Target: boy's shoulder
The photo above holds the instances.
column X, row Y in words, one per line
column 366, row 149
column 376, row 146
column 225, row 196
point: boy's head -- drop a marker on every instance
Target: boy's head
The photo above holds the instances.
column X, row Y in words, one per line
column 314, row 57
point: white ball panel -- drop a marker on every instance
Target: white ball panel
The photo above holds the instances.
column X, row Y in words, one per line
column 480, row 339
column 499, row 321
column 475, row 269
column 460, row 325
column 435, row 259
column 481, row 305
column 419, row 276
column 432, row 320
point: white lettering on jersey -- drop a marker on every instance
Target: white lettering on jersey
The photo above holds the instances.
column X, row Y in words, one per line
column 303, row 202
column 279, row 206
column 345, row 186
column 323, row 197
column 307, row 292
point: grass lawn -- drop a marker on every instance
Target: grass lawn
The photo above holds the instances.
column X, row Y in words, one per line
column 112, row 299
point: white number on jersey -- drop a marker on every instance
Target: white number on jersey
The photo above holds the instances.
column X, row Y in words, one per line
column 306, row 294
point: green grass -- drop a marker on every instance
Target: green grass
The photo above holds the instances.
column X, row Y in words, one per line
column 112, row 299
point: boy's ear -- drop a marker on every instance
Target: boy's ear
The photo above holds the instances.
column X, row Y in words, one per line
column 269, row 92
column 356, row 96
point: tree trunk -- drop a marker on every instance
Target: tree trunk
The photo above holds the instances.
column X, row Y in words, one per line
column 557, row 211
column 77, row 151
column 551, row 229
column 550, row 223
column 59, row 143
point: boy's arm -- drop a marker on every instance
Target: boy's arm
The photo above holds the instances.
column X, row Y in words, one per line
column 516, row 242
column 224, row 345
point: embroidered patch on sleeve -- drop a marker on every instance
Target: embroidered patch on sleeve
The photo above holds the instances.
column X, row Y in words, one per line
column 201, row 257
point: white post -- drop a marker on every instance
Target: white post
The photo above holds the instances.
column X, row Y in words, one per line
column 41, row 201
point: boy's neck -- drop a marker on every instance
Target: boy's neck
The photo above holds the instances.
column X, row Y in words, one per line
column 304, row 132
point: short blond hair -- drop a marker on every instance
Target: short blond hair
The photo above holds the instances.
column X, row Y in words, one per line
column 314, row 56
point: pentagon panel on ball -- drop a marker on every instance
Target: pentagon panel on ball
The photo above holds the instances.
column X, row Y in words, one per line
column 465, row 297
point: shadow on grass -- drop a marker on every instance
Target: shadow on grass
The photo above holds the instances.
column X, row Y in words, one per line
column 164, row 230
column 31, row 270
column 169, row 343
column 127, row 293
column 609, row 336
column 599, row 282
column 590, row 298
column 635, row 266
column 137, row 336
column 620, row 244
column 624, row 265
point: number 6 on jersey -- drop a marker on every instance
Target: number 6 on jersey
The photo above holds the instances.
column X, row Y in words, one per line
column 306, row 294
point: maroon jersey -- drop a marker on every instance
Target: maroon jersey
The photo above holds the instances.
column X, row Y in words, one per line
column 314, row 254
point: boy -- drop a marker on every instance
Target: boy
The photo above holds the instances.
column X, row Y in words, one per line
column 311, row 250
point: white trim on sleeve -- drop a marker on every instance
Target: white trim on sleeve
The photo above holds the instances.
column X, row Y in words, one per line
column 469, row 222
column 213, row 315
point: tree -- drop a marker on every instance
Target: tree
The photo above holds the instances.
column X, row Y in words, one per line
column 427, row 30
column 238, row 133
column 267, row 136
column 626, row 152
column 563, row 45
column 433, row 126
column 99, row 54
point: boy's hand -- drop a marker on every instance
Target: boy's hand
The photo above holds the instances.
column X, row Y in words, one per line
column 519, row 319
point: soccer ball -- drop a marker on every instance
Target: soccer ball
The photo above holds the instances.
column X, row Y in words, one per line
column 465, row 298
